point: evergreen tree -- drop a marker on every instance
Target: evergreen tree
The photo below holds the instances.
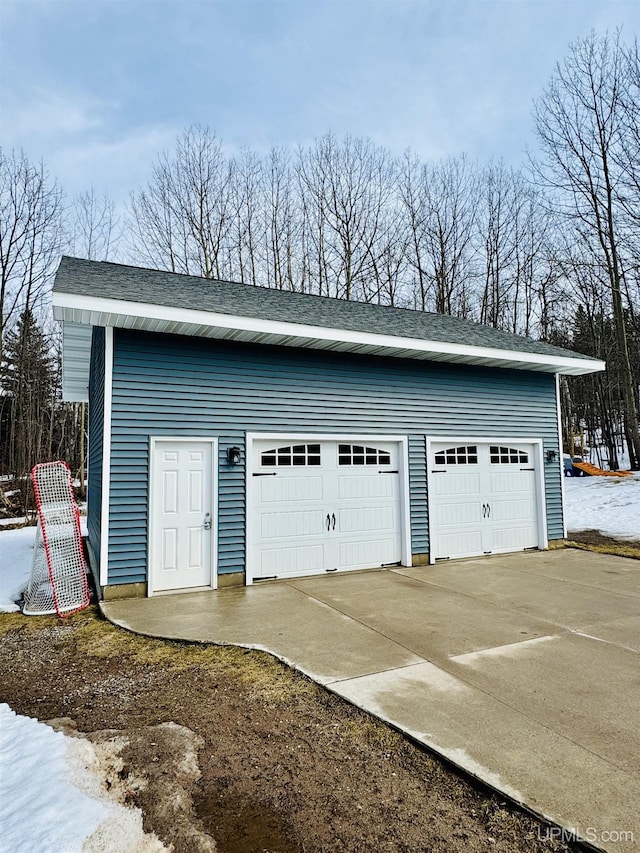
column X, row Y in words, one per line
column 28, row 385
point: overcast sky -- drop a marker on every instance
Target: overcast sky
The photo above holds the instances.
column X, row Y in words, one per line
column 97, row 88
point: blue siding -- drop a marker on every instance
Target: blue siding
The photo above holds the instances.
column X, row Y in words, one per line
column 167, row 385
column 96, row 431
column 418, row 493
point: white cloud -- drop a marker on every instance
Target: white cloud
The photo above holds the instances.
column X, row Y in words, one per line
column 105, row 86
column 112, row 165
column 45, row 115
column 80, row 142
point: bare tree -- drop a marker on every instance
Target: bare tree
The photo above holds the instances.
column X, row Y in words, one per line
column 440, row 204
column 627, row 156
column 158, row 234
column 519, row 276
column 183, row 220
column 390, row 262
column 284, row 246
column 246, row 220
column 499, row 236
column 413, row 209
column 579, row 121
column 626, row 152
column 30, row 236
column 347, row 187
column 93, row 226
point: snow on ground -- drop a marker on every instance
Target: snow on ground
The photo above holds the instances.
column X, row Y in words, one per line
column 16, row 549
column 50, row 801
column 608, row 504
column 6, row 522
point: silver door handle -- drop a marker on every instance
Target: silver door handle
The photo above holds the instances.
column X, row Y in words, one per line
column 207, row 521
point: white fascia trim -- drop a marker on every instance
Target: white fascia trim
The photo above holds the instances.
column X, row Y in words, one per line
column 146, row 311
column 106, row 457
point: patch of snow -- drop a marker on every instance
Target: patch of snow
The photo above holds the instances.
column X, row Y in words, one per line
column 16, row 549
column 464, row 760
column 374, row 689
column 602, row 640
column 51, row 801
column 508, row 650
column 39, row 797
column 608, row 504
column 5, row 522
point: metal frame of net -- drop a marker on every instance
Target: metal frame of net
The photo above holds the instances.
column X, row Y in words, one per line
column 58, row 579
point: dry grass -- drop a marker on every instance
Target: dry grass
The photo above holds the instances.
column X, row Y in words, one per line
column 374, row 733
column 622, row 549
column 28, row 625
column 95, row 637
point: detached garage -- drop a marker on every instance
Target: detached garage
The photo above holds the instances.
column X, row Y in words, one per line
column 239, row 434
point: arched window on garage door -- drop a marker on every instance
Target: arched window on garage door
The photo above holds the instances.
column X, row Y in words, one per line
column 500, row 455
column 299, row 455
column 465, row 455
column 358, row 454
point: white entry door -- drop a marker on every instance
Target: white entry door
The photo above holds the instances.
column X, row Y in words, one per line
column 182, row 525
column 483, row 498
column 323, row 506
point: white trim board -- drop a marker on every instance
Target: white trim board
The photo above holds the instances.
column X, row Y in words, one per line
column 174, row 439
column 403, row 467
column 561, row 454
column 106, row 457
column 99, row 311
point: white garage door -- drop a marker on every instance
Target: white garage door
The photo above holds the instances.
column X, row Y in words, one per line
column 323, row 506
column 483, row 498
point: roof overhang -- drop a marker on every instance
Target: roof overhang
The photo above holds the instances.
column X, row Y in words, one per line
column 98, row 311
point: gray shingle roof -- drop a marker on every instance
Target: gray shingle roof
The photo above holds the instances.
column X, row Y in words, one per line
column 154, row 287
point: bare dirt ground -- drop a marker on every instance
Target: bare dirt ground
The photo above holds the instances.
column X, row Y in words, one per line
column 258, row 759
column 593, row 540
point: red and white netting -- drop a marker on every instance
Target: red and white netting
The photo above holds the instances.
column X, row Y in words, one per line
column 58, row 580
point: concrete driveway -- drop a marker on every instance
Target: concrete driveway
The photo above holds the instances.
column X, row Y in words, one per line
column 523, row 670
